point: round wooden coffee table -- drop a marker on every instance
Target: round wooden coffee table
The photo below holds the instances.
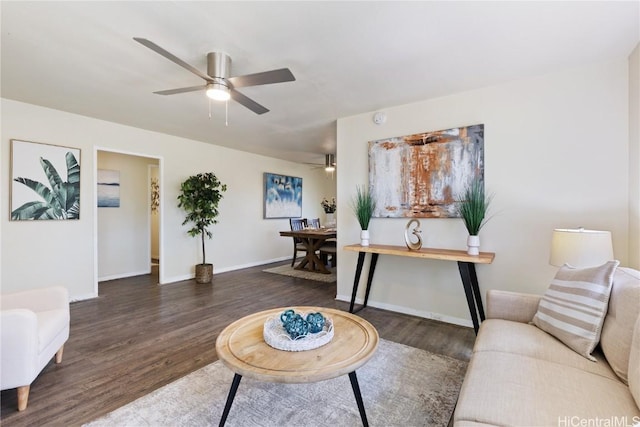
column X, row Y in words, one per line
column 241, row 347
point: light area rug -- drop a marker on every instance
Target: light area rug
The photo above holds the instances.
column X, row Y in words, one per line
column 287, row 270
column 400, row 386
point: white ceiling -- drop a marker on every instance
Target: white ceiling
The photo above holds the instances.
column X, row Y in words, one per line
column 347, row 57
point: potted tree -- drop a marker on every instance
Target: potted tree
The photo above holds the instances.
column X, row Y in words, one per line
column 363, row 205
column 472, row 208
column 199, row 197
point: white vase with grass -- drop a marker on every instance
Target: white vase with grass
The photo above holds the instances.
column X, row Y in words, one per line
column 364, row 237
column 363, row 205
column 472, row 208
column 473, row 245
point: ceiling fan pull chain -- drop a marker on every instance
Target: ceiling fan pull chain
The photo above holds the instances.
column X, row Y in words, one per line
column 226, row 113
column 209, row 108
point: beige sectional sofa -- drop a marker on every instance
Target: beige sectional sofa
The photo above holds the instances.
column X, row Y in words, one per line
column 521, row 376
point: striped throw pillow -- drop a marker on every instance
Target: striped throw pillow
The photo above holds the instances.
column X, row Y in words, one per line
column 574, row 306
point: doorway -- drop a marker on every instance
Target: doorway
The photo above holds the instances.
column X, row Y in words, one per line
column 123, row 245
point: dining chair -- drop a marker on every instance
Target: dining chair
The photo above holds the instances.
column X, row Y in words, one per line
column 327, row 248
column 297, row 224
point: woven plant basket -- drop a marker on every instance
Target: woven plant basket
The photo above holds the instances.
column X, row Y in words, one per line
column 204, row 273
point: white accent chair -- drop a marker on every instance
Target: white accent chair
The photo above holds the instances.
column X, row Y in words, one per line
column 34, row 325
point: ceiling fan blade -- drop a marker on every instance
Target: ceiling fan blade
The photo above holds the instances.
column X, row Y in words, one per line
column 248, row 102
column 266, row 77
column 180, row 90
column 171, row 57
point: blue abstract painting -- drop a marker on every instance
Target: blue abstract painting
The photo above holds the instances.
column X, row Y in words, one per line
column 108, row 188
column 282, row 196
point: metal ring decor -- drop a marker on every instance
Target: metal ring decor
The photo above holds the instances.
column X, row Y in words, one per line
column 414, row 246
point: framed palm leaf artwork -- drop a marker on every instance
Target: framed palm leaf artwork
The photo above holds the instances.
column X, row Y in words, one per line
column 45, row 181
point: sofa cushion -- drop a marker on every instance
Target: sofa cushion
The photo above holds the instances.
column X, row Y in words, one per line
column 634, row 364
column 617, row 330
column 497, row 335
column 511, row 389
column 574, row 306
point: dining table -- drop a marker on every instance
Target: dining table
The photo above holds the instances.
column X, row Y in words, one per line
column 312, row 239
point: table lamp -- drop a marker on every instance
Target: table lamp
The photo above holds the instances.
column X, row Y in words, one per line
column 580, row 248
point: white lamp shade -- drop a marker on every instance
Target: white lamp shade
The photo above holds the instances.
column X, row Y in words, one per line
column 580, row 248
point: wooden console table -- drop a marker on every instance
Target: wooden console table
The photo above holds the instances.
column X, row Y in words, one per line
column 466, row 265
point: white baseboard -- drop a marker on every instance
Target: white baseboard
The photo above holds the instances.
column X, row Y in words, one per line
column 175, row 279
column 83, row 298
column 413, row 312
column 123, row 275
column 251, row 264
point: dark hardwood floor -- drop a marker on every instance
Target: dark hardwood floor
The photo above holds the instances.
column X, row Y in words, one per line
column 138, row 336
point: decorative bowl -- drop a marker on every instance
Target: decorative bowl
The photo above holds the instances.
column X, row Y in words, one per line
column 277, row 336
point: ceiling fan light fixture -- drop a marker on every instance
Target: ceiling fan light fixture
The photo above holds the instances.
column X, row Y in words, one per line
column 218, row 92
column 329, row 162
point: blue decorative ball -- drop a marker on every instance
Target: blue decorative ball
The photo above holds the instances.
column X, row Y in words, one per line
column 316, row 322
column 286, row 316
column 297, row 327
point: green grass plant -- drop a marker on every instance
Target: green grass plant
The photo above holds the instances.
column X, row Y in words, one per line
column 363, row 205
column 473, row 207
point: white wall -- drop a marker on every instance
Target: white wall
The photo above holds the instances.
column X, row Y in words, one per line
column 556, row 155
column 33, row 252
column 634, row 158
column 124, row 232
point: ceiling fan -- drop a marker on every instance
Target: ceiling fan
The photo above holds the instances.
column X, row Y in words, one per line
column 329, row 163
column 219, row 85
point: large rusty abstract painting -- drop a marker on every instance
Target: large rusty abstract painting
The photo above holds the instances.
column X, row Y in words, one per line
column 422, row 175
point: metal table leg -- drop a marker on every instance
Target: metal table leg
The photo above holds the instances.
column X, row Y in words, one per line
column 230, row 396
column 356, row 280
column 476, row 290
column 372, row 269
column 356, row 392
column 470, row 284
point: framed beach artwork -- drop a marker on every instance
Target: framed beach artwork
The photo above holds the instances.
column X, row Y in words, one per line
column 45, row 181
column 423, row 175
column 282, row 196
column 108, row 188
